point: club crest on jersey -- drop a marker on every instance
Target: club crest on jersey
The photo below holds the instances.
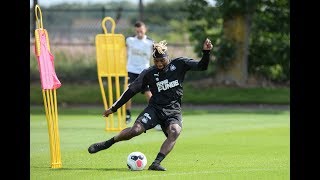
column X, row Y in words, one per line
column 156, row 75
column 172, row 67
column 145, row 118
column 165, row 85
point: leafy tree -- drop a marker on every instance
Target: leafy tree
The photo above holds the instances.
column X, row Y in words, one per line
column 242, row 31
column 270, row 41
column 165, row 16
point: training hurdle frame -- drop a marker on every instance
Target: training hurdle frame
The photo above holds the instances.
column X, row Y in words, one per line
column 111, row 58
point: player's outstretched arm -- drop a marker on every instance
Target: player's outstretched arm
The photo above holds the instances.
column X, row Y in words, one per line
column 128, row 94
column 135, row 87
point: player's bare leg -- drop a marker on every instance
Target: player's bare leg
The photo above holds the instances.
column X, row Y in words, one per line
column 124, row 135
column 129, row 133
column 173, row 133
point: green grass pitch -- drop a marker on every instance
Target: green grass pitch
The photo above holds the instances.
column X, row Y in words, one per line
column 221, row 144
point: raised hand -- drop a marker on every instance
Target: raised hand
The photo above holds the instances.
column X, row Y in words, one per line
column 107, row 112
column 207, row 45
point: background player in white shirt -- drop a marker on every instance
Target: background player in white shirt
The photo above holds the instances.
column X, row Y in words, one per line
column 139, row 54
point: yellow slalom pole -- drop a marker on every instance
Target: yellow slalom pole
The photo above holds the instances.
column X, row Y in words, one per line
column 116, row 76
column 48, row 117
column 102, row 93
column 118, row 95
column 110, row 97
column 56, row 140
column 109, row 77
column 49, row 94
column 52, row 128
column 57, row 128
column 52, row 121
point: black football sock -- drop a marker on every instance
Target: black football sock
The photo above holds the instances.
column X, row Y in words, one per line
column 109, row 142
column 128, row 112
column 159, row 158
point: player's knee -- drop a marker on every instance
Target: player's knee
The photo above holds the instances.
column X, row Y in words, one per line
column 136, row 130
column 174, row 131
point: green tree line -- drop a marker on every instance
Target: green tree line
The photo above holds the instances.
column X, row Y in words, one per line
column 251, row 37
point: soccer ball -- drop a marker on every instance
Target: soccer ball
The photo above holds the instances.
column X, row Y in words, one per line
column 136, row 161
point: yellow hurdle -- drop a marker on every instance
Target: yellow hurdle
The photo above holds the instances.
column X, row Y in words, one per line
column 50, row 100
column 111, row 66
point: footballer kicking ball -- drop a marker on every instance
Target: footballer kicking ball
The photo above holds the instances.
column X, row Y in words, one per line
column 136, row 161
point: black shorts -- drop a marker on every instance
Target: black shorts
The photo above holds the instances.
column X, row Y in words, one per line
column 132, row 77
column 151, row 116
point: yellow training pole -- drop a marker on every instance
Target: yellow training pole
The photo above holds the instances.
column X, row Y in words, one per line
column 117, row 82
column 49, row 84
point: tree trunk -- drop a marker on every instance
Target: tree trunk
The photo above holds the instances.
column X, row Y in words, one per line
column 141, row 13
column 236, row 29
